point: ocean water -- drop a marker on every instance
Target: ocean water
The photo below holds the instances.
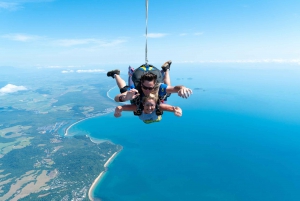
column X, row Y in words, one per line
column 238, row 140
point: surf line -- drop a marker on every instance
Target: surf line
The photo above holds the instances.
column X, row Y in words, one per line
column 107, row 110
column 98, row 179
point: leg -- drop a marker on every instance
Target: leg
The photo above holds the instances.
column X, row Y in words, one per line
column 120, row 82
column 166, row 72
column 167, row 79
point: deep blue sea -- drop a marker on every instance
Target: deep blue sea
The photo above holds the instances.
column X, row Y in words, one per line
column 238, row 140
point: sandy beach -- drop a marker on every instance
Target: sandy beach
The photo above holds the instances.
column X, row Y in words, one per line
column 97, row 180
column 108, row 110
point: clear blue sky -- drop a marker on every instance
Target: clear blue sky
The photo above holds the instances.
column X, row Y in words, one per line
column 96, row 32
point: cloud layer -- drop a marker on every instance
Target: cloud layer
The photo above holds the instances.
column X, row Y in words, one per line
column 84, row 71
column 20, row 37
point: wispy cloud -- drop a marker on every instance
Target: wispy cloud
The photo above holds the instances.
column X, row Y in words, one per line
column 20, row 37
column 9, row 5
column 183, row 34
column 67, row 71
column 18, row 4
column 88, row 41
column 62, row 67
column 156, row 35
column 258, row 61
column 291, row 61
column 84, row 71
column 91, row 71
column 10, row 88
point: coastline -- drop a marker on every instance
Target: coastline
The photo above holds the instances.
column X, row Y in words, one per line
column 108, row 110
column 98, row 179
column 107, row 93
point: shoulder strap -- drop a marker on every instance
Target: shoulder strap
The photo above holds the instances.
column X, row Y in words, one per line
column 162, row 92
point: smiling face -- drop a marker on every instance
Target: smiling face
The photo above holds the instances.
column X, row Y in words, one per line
column 149, row 106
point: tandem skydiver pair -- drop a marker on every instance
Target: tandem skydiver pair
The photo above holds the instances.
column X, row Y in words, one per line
column 147, row 90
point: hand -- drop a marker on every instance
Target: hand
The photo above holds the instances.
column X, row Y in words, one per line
column 177, row 111
column 131, row 94
column 118, row 111
column 184, row 92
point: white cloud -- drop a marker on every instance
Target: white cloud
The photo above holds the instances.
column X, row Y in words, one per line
column 10, row 88
column 156, row 35
column 9, row 5
column 91, row 71
column 20, row 37
column 291, row 61
column 67, row 71
column 88, row 41
column 84, row 71
column 183, row 34
column 113, row 43
column 72, row 42
column 17, row 4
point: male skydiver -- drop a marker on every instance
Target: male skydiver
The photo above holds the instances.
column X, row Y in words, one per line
column 148, row 85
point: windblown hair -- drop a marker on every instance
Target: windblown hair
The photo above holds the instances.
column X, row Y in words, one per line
column 151, row 96
column 148, row 77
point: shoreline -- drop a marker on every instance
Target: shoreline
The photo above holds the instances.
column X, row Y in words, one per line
column 98, row 179
column 107, row 93
column 108, row 110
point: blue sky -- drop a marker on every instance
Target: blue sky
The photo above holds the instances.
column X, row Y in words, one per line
column 64, row 33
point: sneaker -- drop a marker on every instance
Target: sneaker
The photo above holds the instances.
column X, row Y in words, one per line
column 112, row 73
column 166, row 65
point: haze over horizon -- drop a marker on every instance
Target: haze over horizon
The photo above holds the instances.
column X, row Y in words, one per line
column 45, row 33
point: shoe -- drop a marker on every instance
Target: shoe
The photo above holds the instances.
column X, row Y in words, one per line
column 112, row 73
column 166, row 65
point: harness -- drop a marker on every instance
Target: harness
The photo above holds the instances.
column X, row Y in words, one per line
column 136, row 78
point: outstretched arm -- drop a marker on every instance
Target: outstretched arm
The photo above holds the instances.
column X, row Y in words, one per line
column 128, row 95
column 119, row 109
column 165, row 107
column 182, row 91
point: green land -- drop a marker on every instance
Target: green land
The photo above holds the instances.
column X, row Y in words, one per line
column 36, row 161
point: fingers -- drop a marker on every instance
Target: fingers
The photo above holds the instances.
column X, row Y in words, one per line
column 131, row 94
column 117, row 115
column 178, row 111
column 118, row 111
column 134, row 91
column 185, row 92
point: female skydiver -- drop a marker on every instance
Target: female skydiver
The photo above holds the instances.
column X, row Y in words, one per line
column 149, row 114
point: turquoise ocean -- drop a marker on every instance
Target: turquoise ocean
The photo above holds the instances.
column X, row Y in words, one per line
column 238, row 139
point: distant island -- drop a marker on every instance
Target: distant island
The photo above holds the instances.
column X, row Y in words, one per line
column 199, row 89
column 37, row 162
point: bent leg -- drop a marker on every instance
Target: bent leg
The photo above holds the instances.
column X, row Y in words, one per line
column 120, row 82
column 115, row 74
column 167, row 79
column 166, row 72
